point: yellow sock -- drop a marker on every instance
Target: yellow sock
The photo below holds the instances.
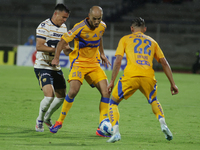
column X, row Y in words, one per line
column 67, row 104
column 157, row 109
column 113, row 113
column 103, row 108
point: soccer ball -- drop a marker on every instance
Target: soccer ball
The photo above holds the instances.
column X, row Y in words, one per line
column 106, row 127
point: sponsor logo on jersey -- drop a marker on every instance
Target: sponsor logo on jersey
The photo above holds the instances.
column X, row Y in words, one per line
column 95, row 36
column 41, row 31
column 143, row 62
column 45, row 74
column 92, row 44
column 57, row 35
column 69, row 33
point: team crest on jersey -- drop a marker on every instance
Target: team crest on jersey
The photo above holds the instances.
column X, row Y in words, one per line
column 42, row 25
column 87, row 35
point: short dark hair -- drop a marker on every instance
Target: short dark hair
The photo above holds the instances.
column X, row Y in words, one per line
column 62, row 7
column 138, row 22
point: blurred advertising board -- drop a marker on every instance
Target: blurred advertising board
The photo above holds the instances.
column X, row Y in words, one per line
column 26, row 56
column 8, row 55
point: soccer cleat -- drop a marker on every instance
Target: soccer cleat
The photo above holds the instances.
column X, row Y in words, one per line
column 55, row 127
column 39, row 126
column 48, row 123
column 99, row 133
column 167, row 132
column 115, row 137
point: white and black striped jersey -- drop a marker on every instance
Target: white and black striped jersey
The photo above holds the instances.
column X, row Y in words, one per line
column 52, row 34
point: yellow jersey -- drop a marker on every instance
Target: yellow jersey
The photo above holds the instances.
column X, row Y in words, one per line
column 86, row 44
column 140, row 50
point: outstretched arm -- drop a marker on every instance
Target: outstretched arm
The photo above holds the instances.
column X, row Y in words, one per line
column 59, row 48
column 168, row 72
column 116, row 67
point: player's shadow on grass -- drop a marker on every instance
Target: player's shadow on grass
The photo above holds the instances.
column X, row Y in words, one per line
column 21, row 132
column 46, row 139
column 18, row 131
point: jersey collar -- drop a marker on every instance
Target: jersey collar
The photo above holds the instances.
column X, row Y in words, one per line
column 87, row 23
column 53, row 23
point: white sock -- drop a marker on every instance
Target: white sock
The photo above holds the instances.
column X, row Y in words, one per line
column 44, row 105
column 162, row 121
column 115, row 129
column 57, row 102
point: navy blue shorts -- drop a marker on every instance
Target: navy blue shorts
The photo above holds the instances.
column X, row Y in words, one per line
column 46, row 76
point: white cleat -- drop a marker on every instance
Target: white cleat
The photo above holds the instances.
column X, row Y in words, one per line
column 167, row 132
column 114, row 138
column 39, row 126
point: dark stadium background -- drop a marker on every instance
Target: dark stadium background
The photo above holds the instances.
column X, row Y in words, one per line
column 174, row 24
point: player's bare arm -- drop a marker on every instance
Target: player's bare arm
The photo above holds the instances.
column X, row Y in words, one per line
column 59, row 48
column 67, row 49
column 40, row 46
column 168, row 72
column 116, row 68
column 104, row 59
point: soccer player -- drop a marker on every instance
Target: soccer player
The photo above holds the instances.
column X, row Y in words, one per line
column 51, row 79
column 140, row 50
column 85, row 63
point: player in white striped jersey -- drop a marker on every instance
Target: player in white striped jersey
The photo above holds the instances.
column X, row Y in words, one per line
column 51, row 79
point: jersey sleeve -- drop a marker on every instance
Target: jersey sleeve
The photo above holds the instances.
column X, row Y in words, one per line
column 104, row 27
column 121, row 47
column 70, row 35
column 42, row 31
column 158, row 53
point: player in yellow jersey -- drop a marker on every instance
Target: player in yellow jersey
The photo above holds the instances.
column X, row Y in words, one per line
column 85, row 63
column 140, row 50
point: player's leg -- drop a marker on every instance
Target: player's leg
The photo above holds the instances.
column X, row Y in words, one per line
column 122, row 90
column 104, row 104
column 104, row 101
column 67, row 104
column 114, row 119
column 56, row 103
column 59, row 85
column 97, row 78
column 69, row 99
column 149, row 89
column 44, row 77
column 76, row 78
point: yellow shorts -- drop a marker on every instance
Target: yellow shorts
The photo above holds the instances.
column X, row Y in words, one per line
column 125, row 87
column 91, row 75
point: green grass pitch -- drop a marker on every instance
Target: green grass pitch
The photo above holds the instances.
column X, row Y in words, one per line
column 20, row 98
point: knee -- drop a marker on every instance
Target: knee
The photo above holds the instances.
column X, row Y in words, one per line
column 72, row 93
column 105, row 94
